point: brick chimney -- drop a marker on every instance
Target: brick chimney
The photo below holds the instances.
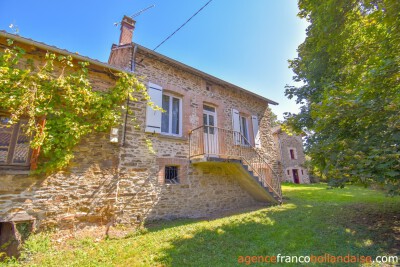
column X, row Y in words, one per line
column 127, row 27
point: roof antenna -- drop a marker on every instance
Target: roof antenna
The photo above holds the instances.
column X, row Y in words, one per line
column 136, row 14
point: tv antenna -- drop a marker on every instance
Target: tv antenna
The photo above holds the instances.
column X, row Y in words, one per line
column 136, row 14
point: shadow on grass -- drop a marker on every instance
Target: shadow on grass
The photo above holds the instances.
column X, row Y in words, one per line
column 159, row 225
column 292, row 229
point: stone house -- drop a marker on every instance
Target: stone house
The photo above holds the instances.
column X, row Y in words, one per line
column 209, row 151
column 291, row 157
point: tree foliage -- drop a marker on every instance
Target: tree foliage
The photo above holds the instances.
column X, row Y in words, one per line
column 273, row 118
column 349, row 66
column 61, row 92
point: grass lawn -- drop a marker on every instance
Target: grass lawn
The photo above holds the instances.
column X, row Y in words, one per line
column 312, row 220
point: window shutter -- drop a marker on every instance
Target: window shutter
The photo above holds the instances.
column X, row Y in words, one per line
column 256, row 132
column 153, row 117
column 236, row 126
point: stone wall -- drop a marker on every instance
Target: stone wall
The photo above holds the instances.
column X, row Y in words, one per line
column 101, row 78
column 209, row 189
column 203, row 189
column 83, row 192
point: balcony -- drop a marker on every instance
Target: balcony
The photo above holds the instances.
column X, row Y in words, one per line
column 209, row 144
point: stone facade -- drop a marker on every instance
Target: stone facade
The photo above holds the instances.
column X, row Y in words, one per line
column 83, row 192
column 203, row 189
column 125, row 182
column 291, row 157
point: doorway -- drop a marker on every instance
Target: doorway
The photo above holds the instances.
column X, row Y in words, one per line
column 210, row 131
column 296, row 176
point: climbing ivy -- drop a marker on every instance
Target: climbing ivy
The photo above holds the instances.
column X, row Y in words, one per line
column 60, row 91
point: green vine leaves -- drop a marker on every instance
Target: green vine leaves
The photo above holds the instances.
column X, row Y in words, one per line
column 60, row 91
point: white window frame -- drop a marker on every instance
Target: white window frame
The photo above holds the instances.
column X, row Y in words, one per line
column 256, row 131
column 241, row 117
column 170, row 116
column 236, row 126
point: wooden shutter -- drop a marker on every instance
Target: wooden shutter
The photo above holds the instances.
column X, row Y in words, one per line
column 256, row 132
column 153, row 117
column 236, row 126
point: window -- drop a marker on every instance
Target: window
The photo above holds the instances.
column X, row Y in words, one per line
column 292, row 153
column 288, row 172
column 209, row 119
column 244, row 130
column 302, row 173
column 171, row 118
column 168, row 122
column 208, row 108
column 171, row 175
column 14, row 143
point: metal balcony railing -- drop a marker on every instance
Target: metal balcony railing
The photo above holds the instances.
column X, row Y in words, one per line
column 210, row 141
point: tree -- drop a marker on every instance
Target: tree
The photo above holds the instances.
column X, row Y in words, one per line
column 273, row 118
column 349, row 65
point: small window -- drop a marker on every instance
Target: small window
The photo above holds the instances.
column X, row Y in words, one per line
column 302, row 173
column 292, row 154
column 171, row 175
column 288, row 172
column 208, row 87
column 14, row 143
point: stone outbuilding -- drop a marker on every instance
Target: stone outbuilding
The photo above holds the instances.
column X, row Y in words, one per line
column 291, row 157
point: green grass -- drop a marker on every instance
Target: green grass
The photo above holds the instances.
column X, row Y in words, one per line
column 312, row 220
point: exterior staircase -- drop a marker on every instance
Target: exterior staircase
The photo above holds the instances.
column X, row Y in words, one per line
column 213, row 145
column 277, row 196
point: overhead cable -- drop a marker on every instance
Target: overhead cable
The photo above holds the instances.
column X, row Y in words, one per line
column 198, row 11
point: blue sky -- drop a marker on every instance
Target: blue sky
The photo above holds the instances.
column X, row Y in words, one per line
column 245, row 42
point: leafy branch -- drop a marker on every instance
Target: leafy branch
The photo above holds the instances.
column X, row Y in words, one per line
column 349, row 67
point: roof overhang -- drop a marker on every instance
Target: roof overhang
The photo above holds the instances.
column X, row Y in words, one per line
column 199, row 73
column 159, row 56
column 59, row 51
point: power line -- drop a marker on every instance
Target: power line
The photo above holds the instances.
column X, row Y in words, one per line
column 198, row 11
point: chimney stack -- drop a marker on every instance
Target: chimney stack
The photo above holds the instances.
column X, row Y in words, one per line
column 127, row 27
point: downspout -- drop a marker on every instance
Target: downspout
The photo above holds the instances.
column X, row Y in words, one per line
column 133, row 56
